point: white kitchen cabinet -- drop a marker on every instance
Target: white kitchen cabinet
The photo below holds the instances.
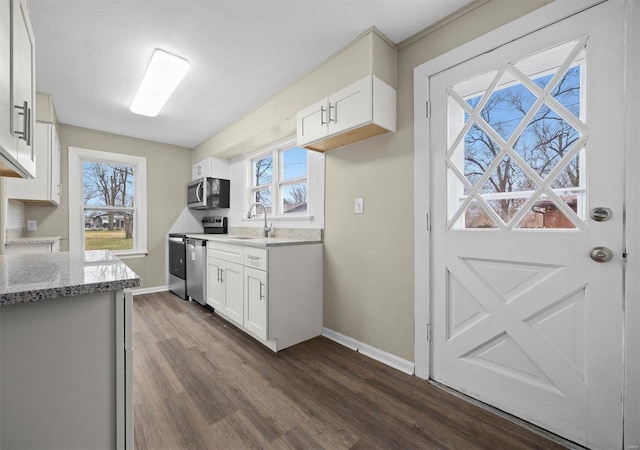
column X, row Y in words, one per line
column 45, row 188
column 363, row 109
column 281, row 290
column 224, row 281
column 17, row 91
column 215, row 288
column 256, row 301
column 211, row 167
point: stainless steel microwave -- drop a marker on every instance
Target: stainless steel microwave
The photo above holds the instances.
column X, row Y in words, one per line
column 208, row 193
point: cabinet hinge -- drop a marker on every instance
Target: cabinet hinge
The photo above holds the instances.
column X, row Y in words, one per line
column 428, row 109
column 429, row 332
column 428, row 221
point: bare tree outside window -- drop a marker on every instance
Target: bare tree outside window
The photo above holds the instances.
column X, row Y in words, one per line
column 542, row 144
column 108, row 193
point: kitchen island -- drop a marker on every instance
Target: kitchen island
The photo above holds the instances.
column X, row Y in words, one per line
column 66, row 355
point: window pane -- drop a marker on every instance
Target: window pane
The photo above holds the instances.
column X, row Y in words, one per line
column 262, row 171
column 108, row 230
column 263, row 196
column 107, row 184
column 294, row 198
column 525, row 137
column 294, row 163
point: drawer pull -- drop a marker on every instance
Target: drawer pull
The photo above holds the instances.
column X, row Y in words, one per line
column 255, row 258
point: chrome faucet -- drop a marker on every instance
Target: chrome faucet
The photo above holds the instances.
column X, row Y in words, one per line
column 266, row 229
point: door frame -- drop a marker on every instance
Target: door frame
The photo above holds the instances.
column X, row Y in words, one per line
column 534, row 21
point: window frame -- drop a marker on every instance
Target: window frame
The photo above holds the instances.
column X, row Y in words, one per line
column 314, row 180
column 77, row 156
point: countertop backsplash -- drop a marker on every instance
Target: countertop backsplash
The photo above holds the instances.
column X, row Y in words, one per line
column 314, row 234
column 16, row 222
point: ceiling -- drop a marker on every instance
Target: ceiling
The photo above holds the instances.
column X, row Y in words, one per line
column 91, row 54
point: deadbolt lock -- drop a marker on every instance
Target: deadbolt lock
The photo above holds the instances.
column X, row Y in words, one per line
column 601, row 214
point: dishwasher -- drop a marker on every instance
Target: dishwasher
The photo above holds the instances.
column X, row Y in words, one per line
column 197, row 270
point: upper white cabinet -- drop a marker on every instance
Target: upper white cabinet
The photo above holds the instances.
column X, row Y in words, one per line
column 363, row 109
column 17, row 91
column 45, row 188
column 211, row 167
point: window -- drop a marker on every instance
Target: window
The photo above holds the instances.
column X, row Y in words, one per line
column 289, row 181
column 107, row 204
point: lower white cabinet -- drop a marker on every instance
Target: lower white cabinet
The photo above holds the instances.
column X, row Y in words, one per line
column 224, row 288
column 274, row 294
column 256, row 301
column 224, row 281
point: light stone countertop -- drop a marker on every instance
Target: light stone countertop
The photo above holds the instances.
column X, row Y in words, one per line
column 33, row 240
column 259, row 242
column 35, row 277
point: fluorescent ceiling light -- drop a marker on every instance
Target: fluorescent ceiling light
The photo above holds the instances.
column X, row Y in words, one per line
column 164, row 74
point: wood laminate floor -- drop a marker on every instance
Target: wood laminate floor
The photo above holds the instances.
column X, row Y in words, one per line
column 200, row 383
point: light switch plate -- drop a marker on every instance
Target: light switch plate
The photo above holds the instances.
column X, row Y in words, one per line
column 359, row 205
column 32, row 225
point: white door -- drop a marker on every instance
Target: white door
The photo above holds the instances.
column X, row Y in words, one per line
column 233, row 293
column 255, row 301
column 351, row 106
column 215, row 288
column 311, row 122
column 526, row 141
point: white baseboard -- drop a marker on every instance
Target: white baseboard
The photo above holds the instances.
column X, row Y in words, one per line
column 372, row 352
column 149, row 290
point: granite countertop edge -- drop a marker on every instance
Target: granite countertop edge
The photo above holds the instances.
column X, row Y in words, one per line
column 13, row 298
column 256, row 242
column 27, row 278
column 34, row 240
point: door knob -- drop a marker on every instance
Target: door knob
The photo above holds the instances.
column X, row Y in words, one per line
column 601, row 254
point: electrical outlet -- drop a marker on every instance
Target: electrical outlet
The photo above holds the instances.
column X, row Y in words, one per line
column 359, row 206
column 32, row 225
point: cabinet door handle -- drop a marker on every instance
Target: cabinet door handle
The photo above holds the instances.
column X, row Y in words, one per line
column 28, row 124
column 221, row 280
column 261, row 293
column 322, row 121
column 333, row 118
column 26, row 116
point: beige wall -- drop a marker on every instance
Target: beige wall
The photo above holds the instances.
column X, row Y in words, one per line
column 168, row 171
column 368, row 266
column 275, row 119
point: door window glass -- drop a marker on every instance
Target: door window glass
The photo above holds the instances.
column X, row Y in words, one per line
column 516, row 140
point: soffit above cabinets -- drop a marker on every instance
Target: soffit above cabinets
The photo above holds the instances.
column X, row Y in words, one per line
column 91, row 55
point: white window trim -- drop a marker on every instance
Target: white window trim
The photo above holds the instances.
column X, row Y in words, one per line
column 76, row 205
column 314, row 179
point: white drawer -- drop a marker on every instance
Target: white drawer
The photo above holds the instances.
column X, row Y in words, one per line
column 256, row 258
column 225, row 252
